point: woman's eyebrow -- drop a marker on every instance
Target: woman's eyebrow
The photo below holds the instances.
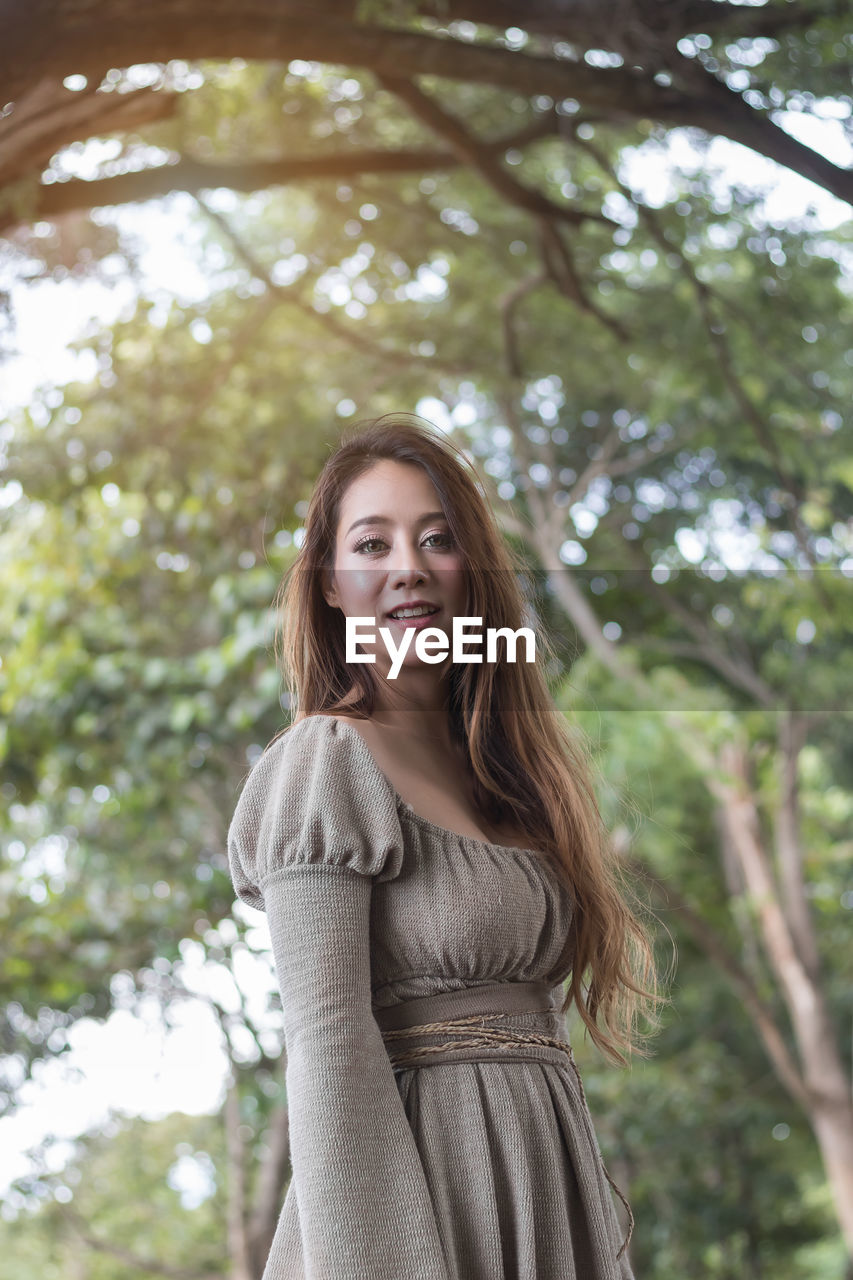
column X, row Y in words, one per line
column 430, row 515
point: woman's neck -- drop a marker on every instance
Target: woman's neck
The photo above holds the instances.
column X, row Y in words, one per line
column 415, row 704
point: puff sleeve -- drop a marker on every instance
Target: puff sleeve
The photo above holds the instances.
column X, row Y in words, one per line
column 315, row 825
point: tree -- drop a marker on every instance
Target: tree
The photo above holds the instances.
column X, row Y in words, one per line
column 130, row 1197
column 625, row 60
column 650, row 388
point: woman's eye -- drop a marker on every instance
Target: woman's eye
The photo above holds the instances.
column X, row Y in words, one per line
column 371, row 545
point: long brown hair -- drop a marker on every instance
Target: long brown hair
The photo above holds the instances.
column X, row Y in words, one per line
column 530, row 770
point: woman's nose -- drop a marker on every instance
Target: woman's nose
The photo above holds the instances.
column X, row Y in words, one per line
column 409, row 564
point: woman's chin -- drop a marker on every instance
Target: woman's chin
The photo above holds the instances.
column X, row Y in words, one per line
column 412, row 665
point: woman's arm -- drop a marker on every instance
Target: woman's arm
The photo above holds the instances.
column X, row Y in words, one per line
column 364, row 1207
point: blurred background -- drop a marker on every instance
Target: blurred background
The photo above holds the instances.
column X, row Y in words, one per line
column 607, row 249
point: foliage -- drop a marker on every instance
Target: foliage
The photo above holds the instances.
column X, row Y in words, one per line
column 139, row 1190
column 658, row 416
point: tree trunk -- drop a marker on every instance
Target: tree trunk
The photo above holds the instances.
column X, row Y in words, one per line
column 786, row 935
column 238, row 1240
column 828, row 1098
column 272, row 1176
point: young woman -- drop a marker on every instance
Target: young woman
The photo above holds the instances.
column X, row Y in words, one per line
column 431, row 860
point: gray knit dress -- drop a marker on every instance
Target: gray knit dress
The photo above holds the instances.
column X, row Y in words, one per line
column 456, row 1170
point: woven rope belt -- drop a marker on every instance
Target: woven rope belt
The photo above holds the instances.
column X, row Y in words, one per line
column 470, row 1017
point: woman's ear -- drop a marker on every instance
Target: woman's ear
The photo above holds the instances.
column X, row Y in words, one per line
column 330, row 591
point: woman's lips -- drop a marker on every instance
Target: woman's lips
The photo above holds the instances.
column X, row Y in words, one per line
column 426, row 620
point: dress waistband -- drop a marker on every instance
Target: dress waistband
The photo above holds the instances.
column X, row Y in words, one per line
column 492, row 997
column 473, row 1015
column 469, row 1025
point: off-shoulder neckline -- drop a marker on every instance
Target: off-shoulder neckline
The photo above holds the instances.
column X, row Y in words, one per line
column 412, row 813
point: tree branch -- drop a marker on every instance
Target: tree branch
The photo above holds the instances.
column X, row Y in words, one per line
column 127, row 1256
column 469, row 150
column 541, row 534
column 507, row 306
column 792, row 736
column 561, row 269
column 344, row 333
column 49, row 117
column 603, row 22
column 720, row 110
column 54, row 199
column 717, row 951
column 54, row 38
column 716, row 332
column 739, row 674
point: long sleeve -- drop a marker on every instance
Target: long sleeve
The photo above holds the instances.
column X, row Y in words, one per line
column 315, row 824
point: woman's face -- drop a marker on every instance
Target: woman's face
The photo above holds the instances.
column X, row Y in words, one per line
column 393, row 548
